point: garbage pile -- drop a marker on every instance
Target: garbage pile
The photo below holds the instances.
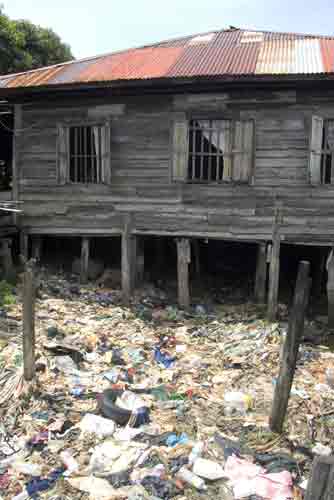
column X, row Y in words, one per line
column 149, row 401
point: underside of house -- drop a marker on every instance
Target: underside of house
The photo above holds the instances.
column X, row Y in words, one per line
column 198, row 154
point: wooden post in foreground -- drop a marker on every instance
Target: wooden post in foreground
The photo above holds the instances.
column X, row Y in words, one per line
column 183, row 261
column 29, row 293
column 261, row 274
column 290, row 349
column 321, row 482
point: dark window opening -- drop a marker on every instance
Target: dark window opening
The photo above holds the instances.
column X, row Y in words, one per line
column 85, row 154
column 327, row 153
column 209, row 142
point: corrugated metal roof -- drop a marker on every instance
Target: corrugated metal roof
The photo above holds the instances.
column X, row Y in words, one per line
column 225, row 53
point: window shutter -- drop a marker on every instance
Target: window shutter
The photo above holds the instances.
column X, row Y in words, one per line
column 315, row 149
column 63, row 154
column 243, row 150
column 227, row 149
column 180, row 150
column 106, row 153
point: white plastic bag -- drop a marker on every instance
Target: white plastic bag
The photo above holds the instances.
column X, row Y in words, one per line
column 95, row 424
column 208, row 469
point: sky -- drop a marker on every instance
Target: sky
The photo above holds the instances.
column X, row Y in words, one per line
column 94, row 27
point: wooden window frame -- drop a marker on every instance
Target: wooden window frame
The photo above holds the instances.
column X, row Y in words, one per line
column 64, row 153
column 326, row 153
column 241, row 159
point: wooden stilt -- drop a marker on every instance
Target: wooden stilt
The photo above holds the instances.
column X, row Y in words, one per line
column 319, row 274
column 290, row 349
column 36, row 248
column 197, row 256
column 274, row 268
column 24, row 245
column 84, row 260
column 29, row 293
column 128, row 263
column 321, row 483
column 7, row 259
column 159, row 261
column 261, row 274
column 183, row 261
column 140, row 261
column 274, row 279
column 330, row 289
column 134, row 261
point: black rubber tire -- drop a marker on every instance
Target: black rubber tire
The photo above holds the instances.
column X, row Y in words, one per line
column 108, row 408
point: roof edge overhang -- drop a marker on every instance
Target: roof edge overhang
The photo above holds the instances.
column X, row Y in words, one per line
column 170, row 85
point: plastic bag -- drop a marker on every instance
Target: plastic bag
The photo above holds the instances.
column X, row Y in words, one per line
column 97, row 425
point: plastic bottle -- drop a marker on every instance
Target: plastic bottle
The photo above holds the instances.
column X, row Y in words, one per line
column 236, row 402
column 190, row 478
column 196, row 452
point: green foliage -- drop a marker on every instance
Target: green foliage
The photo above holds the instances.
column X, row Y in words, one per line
column 6, row 294
column 24, row 46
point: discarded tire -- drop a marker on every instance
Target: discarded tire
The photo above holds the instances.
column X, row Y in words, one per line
column 119, row 415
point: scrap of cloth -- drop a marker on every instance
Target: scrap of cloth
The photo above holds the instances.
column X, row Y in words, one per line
column 250, row 479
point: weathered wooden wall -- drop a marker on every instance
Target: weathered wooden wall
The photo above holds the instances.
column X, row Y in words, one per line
column 141, row 170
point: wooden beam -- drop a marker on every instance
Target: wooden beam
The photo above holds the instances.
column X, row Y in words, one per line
column 261, row 274
column 183, row 261
column 274, row 267
column 321, row 483
column 29, row 293
column 330, row 289
column 290, row 349
column 84, row 260
column 37, row 248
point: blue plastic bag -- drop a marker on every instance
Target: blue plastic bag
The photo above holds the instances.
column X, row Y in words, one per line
column 164, row 359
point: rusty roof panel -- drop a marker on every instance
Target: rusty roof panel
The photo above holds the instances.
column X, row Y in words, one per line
column 327, row 51
column 142, row 63
column 211, row 58
column 230, row 52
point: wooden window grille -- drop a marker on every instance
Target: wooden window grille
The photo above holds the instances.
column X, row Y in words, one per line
column 85, row 154
column 209, row 158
